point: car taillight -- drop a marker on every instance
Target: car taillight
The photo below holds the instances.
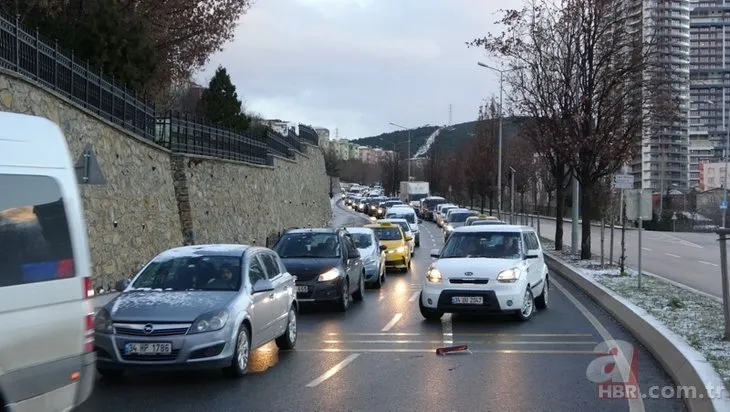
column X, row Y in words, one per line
column 89, row 333
column 88, row 288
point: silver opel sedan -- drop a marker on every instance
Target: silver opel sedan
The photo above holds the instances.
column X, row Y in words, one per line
column 198, row 307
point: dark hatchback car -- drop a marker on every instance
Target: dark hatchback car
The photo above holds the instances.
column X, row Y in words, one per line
column 326, row 263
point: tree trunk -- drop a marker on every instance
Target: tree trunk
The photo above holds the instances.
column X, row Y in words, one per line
column 559, row 209
column 491, row 204
column 481, row 203
column 585, row 213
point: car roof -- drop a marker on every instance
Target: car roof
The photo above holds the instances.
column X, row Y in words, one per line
column 494, row 228
column 313, row 230
column 381, row 223
column 32, row 141
column 206, row 250
column 393, row 220
column 360, row 230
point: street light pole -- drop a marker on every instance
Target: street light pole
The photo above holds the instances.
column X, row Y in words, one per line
column 501, row 126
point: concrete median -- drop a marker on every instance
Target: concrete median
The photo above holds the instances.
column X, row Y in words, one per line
column 683, row 363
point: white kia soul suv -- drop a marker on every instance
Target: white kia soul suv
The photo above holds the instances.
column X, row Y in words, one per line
column 486, row 269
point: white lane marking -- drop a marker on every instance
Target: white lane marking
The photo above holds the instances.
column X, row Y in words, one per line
column 414, row 296
column 708, row 263
column 332, row 371
column 447, row 330
column 635, row 405
column 381, row 297
column 392, row 322
column 647, row 249
column 672, row 255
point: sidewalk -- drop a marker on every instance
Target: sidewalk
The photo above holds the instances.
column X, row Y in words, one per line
column 565, row 219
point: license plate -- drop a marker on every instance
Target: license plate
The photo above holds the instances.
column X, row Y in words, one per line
column 467, row 300
column 156, row 348
column 302, row 289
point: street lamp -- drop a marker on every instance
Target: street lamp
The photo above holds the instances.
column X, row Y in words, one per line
column 726, row 154
column 501, row 121
column 409, row 147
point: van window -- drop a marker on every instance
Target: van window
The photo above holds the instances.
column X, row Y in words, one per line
column 35, row 244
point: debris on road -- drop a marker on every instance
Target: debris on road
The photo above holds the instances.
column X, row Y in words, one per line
column 452, row 349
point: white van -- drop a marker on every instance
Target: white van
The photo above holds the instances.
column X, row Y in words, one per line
column 47, row 360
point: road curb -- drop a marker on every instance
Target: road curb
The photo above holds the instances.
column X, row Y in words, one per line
column 688, row 367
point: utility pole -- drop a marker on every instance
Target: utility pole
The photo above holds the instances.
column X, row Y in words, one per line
column 409, row 155
column 661, row 179
column 576, row 216
column 499, row 158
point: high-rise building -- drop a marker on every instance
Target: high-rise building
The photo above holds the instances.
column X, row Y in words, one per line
column 663, row 161
column 709, row 70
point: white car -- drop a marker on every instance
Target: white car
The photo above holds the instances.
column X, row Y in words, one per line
column 407, row 213
column 486, row 269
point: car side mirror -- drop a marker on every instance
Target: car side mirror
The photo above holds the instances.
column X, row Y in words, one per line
column 122, row 285
column 355, row 255
column 383, row 248
column 435, row 253
column 532, row 254
column 263, row 285
column 409, row 238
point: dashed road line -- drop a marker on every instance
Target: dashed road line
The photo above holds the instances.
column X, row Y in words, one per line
column 332, row 371
column 635, row 405
column 673, row 255
column 447, row 330
column 392, row 322
column 414, row 296
column 708, row 263
column 646, row 248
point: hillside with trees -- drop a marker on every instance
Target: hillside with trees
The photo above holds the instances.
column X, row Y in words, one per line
column 450, row 138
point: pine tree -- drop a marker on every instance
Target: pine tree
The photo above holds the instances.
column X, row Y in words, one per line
column 219, row 103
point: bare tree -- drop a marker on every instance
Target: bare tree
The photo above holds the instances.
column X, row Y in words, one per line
column 590, row 84
column 481, row 168
column 392, row 172
column 332, row 162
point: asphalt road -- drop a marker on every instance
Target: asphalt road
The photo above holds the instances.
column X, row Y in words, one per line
column 380, row 356
column 692, row 259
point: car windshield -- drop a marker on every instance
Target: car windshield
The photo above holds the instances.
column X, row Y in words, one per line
column 362, row 240
column 493, row 245
column 409, row 217
column 486, row 222
column 460, row 217
column 207, row 273
column 308, row 245
column 403, row 225
column 388, row 233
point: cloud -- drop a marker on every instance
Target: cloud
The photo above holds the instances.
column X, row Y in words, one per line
column 357, row 65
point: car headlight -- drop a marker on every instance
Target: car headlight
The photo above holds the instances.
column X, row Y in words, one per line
column 433, row 275
column 509, row 275
column 402, row 249
column 103, row 322
column 331, row 274
column 209, row 322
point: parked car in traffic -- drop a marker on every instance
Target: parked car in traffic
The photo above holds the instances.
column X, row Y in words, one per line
column 372, row 254
column 456, row 218
column 428, row 205
column 397, row 252
column 326, row 263
column 409, row 215
column 486, row 269
column 441, row 211
column 406, row 228
column 198, row 307
column 47, row 357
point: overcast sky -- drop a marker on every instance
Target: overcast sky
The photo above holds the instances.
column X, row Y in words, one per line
column 356, row 65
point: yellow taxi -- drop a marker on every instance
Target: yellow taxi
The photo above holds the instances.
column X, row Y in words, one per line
column 471, row 219
column 397, row 252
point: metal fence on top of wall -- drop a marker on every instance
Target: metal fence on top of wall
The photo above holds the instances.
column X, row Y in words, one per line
column 28, row 53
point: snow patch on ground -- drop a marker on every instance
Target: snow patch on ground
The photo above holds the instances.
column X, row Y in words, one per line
column 694, row 317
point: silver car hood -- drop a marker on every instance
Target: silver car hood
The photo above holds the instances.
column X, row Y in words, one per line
column 165, row 306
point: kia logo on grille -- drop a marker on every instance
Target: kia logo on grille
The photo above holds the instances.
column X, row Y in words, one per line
column 468, row 273
column 148, row 329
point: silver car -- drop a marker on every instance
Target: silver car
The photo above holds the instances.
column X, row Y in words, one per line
column 198, row 307
column 372, row 254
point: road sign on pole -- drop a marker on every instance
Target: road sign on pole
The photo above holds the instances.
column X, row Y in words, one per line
column 623, row 182
column 635, row 198
column 723, row 204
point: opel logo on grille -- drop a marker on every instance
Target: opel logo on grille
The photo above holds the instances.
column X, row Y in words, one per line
column 148, row 328
column 468, row 273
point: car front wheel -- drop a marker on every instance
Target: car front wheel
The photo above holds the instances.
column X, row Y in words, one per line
column 289, row 339
column 344, row 303
column 239, row 363
column 360, row 292
column 542, row 301
column 528, row 306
